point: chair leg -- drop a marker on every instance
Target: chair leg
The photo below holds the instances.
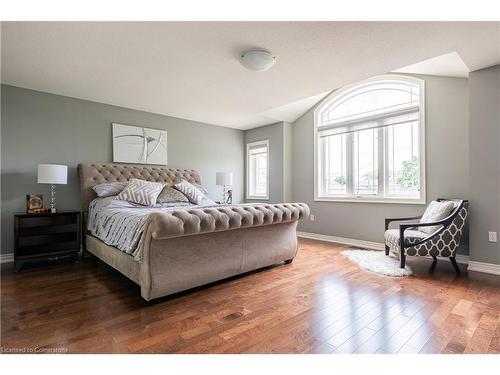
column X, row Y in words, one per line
column 403, row 261
column 433, row 265
column 386, row 250
column 455, row 265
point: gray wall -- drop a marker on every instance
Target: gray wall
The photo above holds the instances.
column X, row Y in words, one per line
column 447, row 167
column 287, row 162
column 275, row 134
column 484, row 91
column 44, row 128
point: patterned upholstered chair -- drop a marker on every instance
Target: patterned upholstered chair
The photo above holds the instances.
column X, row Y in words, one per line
column 443, row 240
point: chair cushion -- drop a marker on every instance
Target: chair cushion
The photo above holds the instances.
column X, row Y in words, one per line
column 434, row 212
column 411, row 236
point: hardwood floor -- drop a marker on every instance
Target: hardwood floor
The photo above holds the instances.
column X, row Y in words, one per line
column 321, row 303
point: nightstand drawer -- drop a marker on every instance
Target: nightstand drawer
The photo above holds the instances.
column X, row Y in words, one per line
column 47, row 248
column 38, row 230
column 45, row 221
column 43, row 239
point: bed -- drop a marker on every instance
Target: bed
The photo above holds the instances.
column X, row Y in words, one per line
column 179, row 248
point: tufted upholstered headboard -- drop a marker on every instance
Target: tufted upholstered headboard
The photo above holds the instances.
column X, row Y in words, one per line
column 95, row 174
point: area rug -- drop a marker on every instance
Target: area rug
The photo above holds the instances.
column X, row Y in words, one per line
column 378, row 262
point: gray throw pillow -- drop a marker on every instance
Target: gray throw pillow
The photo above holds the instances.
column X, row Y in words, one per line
column 141, row 192
column 171, row 195
column 108, row 189
column 435, row 211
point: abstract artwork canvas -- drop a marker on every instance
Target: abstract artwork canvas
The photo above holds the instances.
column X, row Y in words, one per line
column 134, row 144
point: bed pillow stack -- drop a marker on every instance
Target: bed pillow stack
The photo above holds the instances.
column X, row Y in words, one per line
column 142, row 192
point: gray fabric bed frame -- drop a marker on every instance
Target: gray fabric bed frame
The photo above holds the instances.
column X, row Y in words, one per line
column 174, row 264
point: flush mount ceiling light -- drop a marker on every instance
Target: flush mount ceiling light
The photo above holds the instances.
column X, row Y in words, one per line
column 257, row 59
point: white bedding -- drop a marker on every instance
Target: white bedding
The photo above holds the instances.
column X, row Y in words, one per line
column 121, row 224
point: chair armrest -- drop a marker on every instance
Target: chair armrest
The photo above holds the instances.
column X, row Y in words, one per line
column 402, row 227
column 388, row 221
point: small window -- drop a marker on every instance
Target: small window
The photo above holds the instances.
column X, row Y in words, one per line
column 370, row 142
column 258, row 170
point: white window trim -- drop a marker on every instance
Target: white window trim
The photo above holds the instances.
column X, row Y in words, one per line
column 249, row 145
column 421, row 119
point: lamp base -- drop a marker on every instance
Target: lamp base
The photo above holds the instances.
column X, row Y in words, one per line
column 227, row 195
column 53, row 209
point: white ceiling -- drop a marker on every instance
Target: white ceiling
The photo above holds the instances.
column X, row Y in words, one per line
column 191, row 70
column 449, row 65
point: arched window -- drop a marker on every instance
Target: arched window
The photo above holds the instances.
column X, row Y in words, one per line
column 369, row 142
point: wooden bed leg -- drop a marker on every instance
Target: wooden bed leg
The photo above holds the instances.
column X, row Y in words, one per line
column 288, row 261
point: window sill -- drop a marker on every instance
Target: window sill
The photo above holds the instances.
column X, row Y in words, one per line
column 258, row 198
column 371, row 200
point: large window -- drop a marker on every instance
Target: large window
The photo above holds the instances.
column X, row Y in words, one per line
column 369, row 142
column 258, row 170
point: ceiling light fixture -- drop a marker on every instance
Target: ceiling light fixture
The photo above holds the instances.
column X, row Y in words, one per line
column 257, row 59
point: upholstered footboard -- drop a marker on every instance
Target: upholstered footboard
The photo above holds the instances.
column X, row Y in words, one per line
column 175, row 264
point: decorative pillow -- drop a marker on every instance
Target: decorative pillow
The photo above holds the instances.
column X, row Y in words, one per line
column 141, row 191
column 108, row 189
column 201, row 188
column 169, row 195
column 194, row 194
column 434, row 212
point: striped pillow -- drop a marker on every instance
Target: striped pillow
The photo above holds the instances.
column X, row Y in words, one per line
column 141, row 192
column 194, row 194
column 201, row 188
column 109, row 188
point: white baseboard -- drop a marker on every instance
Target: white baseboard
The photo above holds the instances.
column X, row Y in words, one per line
column 484, row 267
column 462, row 259
column 6, row 258
column 342, row 240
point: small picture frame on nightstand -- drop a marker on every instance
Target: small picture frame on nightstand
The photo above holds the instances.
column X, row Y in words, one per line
column 34, row 203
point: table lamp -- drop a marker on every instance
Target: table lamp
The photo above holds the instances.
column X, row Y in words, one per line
column 52, row 174
column 225, row 179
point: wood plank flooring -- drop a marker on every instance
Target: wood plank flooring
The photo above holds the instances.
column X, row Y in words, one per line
column 321, row 303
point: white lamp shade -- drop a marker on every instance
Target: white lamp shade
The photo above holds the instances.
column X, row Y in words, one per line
column 52, row 174
column 223, row 178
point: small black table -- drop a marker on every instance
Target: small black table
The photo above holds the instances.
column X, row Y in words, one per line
column 48, row 235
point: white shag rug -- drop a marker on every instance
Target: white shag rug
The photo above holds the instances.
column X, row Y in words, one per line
column 377, row 261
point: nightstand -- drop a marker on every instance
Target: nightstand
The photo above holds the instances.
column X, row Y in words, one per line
column 46, row 236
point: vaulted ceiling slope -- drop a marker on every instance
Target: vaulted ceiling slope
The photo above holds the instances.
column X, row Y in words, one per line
column 191, row 69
